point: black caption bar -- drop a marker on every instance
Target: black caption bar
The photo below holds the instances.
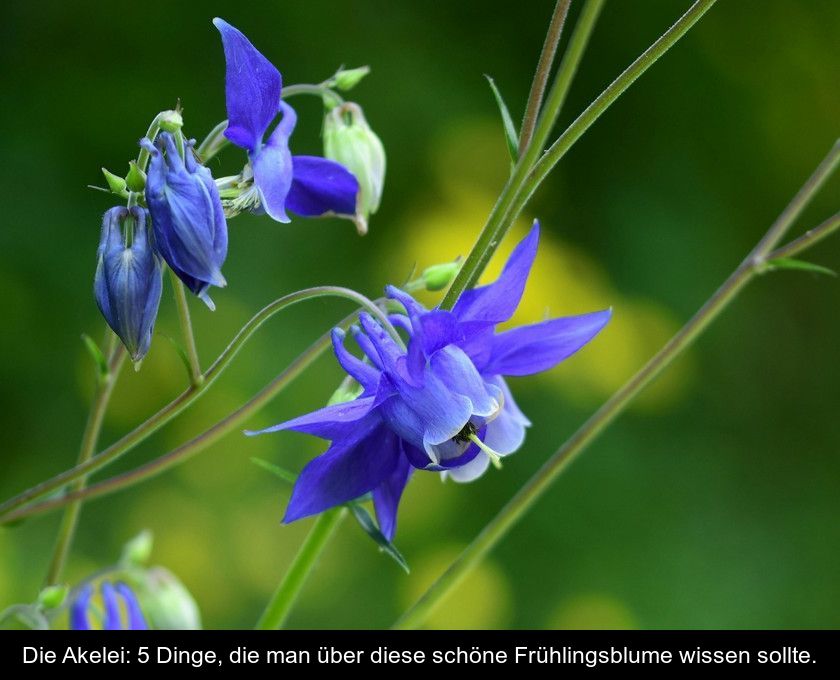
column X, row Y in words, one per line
column 586, row 651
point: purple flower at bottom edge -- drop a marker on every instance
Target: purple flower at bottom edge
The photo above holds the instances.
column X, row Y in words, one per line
column 441, row 405
column 112, row 618
column 306, row 185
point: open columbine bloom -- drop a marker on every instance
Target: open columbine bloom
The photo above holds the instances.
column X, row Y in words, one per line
column 306, row 185
column 442, row 404
column 112, row 618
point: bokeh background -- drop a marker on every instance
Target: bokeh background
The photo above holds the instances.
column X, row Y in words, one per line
column 714, row 502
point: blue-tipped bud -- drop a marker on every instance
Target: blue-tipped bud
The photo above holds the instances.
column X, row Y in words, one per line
column 349, row 140
column 120, row 608
column 187, row 215
column 128, row 280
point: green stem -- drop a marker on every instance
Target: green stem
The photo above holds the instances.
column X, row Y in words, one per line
column 808, row 239
column 186, row 398
column 196, row 377
column 522, row 184
column 539, row 483
column 501, row 218
column 105, row 386
column 535, row 96
column 284, row 597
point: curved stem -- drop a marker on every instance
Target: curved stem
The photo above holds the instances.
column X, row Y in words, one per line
column 501, row 217
column 102, row 397
column 808, row 239
column 525, row 180
column 549, row 49
column 539, row 483
column 284, row 597
column 186, row 398
column 196, row 377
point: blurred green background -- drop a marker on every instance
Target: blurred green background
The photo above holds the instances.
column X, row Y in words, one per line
column 713, row 503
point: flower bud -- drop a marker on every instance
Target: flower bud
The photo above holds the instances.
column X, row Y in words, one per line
column 439, row 276
column 115, row 183
column 128, row 279
column 347, row 79
column 349, row 140
column 170, row 121
column 166, row 603
column 135, row 180
column 187, row 215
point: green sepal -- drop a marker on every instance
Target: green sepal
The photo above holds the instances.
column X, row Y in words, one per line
column 369, row 527
column 135, row 180
column 511, row 136
column 276, row 470
column 800, row 265
column 347, row 79
column 98, row 357
column 116, row 184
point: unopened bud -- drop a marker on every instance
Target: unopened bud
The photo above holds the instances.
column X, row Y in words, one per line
column 170, row 121
column 115, row 183
column 135, row 180
column 347, row 79
column 439, row 276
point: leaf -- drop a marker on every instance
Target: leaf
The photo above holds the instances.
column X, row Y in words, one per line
column 97, row 355
column 369, row 526
column 511, row 136
column 801, row 265
column 276, row 470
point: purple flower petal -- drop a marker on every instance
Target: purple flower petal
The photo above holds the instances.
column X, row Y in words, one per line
column 348, row 469
column 365, row 374
column 330, row 422
column 272, row 166
column 320, row 187
column 136, row 620
column 497, row 301
column 386, row 497
column 111, row 618
column 79, row 609
column 471, row 470
column 456, row 371
column 252, row 89
column 531, row 349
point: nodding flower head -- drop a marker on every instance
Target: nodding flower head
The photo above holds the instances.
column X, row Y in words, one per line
column 128, row 280
column 442, row 403
column 309, row 186
column 187, row 215
column 120, row 608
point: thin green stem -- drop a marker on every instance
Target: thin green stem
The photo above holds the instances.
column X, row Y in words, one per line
column 189, row 396
column 522, row 185
column 535, row 96
column 196, row 376
column 287, row 592
column 539, row 483
column 501, row 218
column 808, row 239
column 115, row 354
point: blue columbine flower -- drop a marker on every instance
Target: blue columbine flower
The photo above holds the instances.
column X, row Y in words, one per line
column 187, row 214
column 128, row 280
column 306, row 185
column 112, row 618
column 442, row 404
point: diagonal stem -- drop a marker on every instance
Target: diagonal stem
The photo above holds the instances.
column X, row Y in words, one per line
column 67, row 530
column 549, row 49
column 541, row 481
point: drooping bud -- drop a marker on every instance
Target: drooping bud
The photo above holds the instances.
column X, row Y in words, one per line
column 187, row 215
column 128, row 280
column 166, row 603
column 349, row 140
column 347, row 79
column 170, row 121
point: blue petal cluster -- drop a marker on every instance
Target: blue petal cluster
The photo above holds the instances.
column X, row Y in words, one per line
column 112, row 618
column 442, row 404
column 128, row 280
column 187, row 214
column 309, row 186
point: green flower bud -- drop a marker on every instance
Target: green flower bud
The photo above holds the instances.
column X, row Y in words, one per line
column 349, row 140
column 135, row 180
column 115, row 183
column 165, row 602
column 137, row 551
column 170, row 121
column 52, row 596
column 347, row 79
column 439, row 276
